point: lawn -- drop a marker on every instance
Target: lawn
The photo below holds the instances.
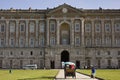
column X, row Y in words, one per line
column 28, row 74
column 106, row 74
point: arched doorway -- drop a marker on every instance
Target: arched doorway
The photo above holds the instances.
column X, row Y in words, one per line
column 65, row 56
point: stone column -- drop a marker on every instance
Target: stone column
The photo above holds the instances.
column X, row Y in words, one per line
column 58, row 33
column 102, row 24
column 82, row 33
column 36, row 37
column 17, row 31
column 47, row 32
column 72, row 32
column 112, row 25
column 92, row 26
column 7, row 34
column 26, row 33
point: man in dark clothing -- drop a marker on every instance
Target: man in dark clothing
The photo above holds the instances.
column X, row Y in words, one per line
column 93, row 72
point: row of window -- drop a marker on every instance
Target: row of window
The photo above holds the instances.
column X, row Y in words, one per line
column 107, row 27
column 21, row 63
column 22, row 42
column 22, row 25
column 98, row 41
column 88, row 27
column 22, row 53
column 99, row 64
column 88, row 42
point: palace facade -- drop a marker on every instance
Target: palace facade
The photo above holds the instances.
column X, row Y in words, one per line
column 47, row 37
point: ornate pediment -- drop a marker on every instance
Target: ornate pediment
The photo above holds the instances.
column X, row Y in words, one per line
column 64, row 9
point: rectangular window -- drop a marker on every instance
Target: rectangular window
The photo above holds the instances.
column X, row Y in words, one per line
column 109, row 63
column 52, row 27
column 118, row 52
column 42, row 26
column 118, row 63
column 2, row 28
column 1, row 62
column 31, row 42
column 11, row 63
column 77, row 42
column 117, row 27
column 40, row 53
column 108, row 52
column 21, row 53
column 97, row 27
column 32, row 25
column 52, row 41
column 77, row 27
column 12, row 42
column 88, row 27
column 22, row 27
column 12, row 27
column 42, row 41
column 98, row 41
column 99, row 63
column 107, row 27
column 31, row 61
column 107, row 41
column 1, row 53
column 21, row 63
column 2, row 42
column 21, row 41
column 88, row 42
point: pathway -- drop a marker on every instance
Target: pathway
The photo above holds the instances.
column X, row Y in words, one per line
column 79, row 76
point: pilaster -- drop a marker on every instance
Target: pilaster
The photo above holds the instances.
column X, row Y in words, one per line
column 102, row 23
column 82, row 34
column 36, row 37
column 72, row 32
column 26, row 33
column 112, row 25
column 17, row 37
column 92, row 26
column 58, row 32
column 7, row 28
column 47, row 32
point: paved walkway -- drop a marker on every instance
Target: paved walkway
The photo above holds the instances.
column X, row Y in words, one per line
column 79, row 76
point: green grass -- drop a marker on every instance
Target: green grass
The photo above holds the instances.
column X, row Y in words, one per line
column 28, row 74
column 106, row 74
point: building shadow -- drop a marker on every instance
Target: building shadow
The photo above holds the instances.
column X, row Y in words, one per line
column 38, row 78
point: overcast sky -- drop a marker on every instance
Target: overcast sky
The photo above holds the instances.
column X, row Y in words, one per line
column 43, row 4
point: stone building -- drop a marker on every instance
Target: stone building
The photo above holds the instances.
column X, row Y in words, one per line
column 47, row 37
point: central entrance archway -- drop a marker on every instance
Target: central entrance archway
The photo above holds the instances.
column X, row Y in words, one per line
column 65, row 56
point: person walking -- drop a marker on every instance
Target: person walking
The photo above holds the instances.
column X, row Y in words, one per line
column 93, row 71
